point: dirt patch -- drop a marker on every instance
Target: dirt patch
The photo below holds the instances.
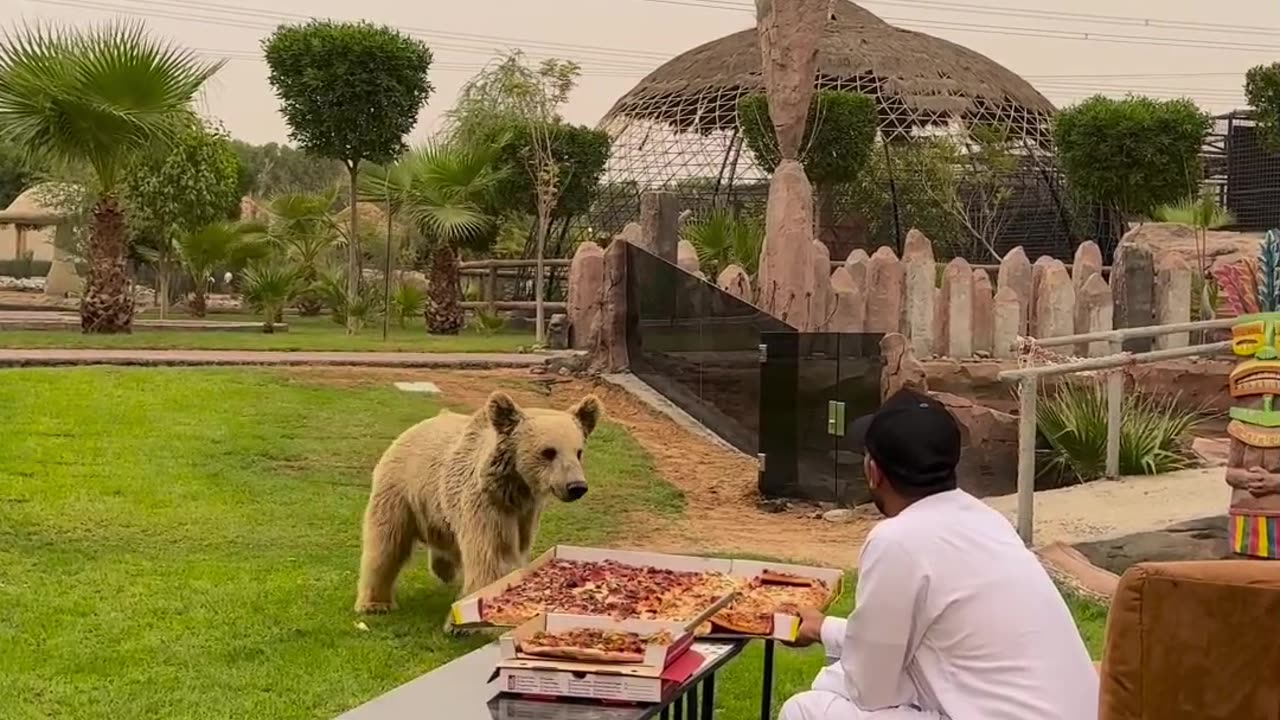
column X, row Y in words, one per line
column 719, row 485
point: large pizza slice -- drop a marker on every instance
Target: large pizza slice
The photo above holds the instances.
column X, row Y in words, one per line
column 593, row 645
column 769, row 594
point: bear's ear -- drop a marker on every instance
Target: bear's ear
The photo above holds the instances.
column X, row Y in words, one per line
column 503, row 413
column 587, row 412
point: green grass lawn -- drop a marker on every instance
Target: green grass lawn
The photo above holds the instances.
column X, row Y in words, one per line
column 179, row 543
column 316, row 333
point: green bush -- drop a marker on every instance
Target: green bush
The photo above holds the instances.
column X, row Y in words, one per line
column 1153, row 432
column 838, row 139
column 722, row 239
column 487, row 323
column 1262, row 89
column 407, row 302
column 25, row 267
column 582, row 153
column 1132, row 154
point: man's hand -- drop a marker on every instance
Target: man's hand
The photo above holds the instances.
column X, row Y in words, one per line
column 810, row 631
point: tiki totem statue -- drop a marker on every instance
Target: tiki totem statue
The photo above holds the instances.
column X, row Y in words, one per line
column 1252, row 287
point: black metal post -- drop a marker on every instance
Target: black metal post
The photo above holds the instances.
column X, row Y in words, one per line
column 709, row 697
column 766, row 688
column 666, row 713
column 893, row 193
column 677, row 710
column 691, row 703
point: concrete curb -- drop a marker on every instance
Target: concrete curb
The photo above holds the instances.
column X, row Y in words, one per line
column 188, row 358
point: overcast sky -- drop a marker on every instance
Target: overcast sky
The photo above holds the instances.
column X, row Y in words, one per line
column 1069, row 49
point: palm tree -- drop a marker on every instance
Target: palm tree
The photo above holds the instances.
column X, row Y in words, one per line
column 723, row 239
column 444, row 189
column 221, row 245
column 268, row 288
column 306, row 234
column 1203, row 213
column 97, row 98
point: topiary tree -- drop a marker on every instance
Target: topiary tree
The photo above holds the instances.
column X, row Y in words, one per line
column 580, row 151
column 1134, row 154
column 1262, row 89
column 838, row 141
column 351, row 92
column 175, row 191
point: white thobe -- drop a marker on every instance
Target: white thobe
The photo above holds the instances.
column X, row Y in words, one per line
column 954, row 619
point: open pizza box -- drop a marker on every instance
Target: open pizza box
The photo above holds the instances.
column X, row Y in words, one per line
column 467, row 611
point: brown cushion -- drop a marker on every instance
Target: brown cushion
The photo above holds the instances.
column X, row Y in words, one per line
column 1194, row 641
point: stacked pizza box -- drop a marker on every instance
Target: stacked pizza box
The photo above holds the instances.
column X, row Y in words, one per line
column 478, row 609
column 584, row 657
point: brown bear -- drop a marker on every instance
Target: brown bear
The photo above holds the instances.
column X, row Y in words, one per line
column 471, row 488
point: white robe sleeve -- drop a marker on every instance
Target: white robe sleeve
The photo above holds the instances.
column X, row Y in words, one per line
column 885, row 627
column 833, row 632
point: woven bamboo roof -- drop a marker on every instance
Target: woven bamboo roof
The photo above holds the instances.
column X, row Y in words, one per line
column 929, row 78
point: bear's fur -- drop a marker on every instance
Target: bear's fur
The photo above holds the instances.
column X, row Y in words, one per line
column 471, row 488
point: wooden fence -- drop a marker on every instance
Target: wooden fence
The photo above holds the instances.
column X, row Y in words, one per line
column 492, row 270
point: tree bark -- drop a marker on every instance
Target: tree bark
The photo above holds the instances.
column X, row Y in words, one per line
column 353, row 245
column 444, row 313
column 540, row 279
column 162, row 269
column 107, row 305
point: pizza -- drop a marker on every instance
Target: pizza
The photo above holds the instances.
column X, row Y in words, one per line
column 612, row 589
column 767, row 595
column 593, row 645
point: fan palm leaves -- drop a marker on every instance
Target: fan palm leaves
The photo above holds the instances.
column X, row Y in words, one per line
column 268, row 288
column 221, row 245
column 97, row 97
column 444, row 189
column 722, row 239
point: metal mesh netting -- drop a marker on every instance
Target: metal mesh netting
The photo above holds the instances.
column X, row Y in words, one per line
column 1244, row 170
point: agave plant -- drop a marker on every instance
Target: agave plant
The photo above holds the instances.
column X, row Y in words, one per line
column 722, row 239
column 1153, row 431
column 97, row 97
column 268, row 288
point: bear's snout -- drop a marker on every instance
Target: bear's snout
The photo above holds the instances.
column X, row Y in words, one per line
column 574, row 490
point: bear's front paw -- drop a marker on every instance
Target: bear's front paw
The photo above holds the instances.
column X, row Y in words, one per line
column 372, row 607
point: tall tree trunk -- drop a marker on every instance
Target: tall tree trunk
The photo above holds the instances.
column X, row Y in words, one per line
column 163, row 271
column 199, row 303
column 107, row 305
column 353, row 246
column 444, row 313
column 540, row 279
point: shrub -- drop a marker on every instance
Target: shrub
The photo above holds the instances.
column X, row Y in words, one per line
column 1132, row 154
column 1262, row 89
column 268, row 288
column 1153, row 432
column 722, row 239
column 408, row 301
column 838, row 139
column 487, row 323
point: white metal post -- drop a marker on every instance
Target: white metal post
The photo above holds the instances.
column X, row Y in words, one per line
column 1029, row 386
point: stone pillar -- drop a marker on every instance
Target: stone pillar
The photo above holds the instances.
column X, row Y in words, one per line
column 786, row 263
column 1173, row 299
column 1133, row 291
column 1007, row 322
column 1042, row 264
column 585, row 295
column 687, row 257
column 920, row 274
column 1015, row 274
column 821, row 300
column 1088, row 260
column 849, row 311
column 735, row 281
column 901, row 368
column 885, row 280
column 610, row 355
column 983, row 314
column 1056, row 304
column 1094, row 309
column 788, row 34
column 957, row 293
column 856, row 266
column 660, row 224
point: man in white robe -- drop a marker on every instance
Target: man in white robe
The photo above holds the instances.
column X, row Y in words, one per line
column 955, row 619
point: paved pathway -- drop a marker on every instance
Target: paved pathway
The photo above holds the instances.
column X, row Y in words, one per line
column 49, row 358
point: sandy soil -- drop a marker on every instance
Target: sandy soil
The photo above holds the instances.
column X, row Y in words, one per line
column 718, row 483
column 1103, row 509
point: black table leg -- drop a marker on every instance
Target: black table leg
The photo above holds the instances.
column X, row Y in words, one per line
column 766, row 689
column 709, row 697
column 678, row 707
column 691, row 704
column 666, row 714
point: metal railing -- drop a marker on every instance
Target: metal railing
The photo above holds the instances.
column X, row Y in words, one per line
column 1028, row 380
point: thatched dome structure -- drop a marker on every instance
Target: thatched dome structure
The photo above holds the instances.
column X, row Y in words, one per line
column 916, row 79
column 678, row 127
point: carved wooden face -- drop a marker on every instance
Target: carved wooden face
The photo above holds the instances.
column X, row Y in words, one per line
column 1256, row 380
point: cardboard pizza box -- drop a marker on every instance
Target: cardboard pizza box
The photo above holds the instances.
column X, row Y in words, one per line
column 593, row 684
column 656, row 657
column 466, row 612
